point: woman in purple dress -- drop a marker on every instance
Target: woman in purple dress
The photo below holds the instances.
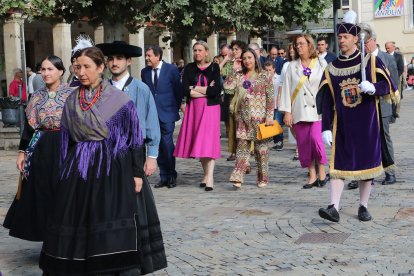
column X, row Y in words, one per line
column 200, row 132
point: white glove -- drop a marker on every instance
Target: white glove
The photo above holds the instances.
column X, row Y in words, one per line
column 367, row 87
column 327, row 137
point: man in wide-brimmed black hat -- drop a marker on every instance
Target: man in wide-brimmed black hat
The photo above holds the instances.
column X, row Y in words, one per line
column 119, row 55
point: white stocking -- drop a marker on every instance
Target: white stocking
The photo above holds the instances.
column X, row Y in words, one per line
column 365, row 188
column 337, row 186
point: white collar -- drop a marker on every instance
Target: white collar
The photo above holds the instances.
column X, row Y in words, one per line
column 159, row 66
column 375, row 53
column 323, row 55
column 121, row 83
column 392, row 53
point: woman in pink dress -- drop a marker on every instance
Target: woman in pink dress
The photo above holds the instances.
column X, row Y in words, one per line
column 199, row 135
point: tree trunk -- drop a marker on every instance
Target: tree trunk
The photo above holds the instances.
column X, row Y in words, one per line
column 243, row 35
column 114, row 32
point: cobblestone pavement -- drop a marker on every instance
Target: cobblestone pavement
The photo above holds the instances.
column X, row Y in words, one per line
column 255, row 231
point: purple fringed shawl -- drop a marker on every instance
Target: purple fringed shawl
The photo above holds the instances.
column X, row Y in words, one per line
column 110, row 127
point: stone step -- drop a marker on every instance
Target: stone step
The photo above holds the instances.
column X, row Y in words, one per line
column 9, row 137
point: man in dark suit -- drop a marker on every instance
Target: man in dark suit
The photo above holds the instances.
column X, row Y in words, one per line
column 164, row 81
column 386, row 111
column 256, row 48
column 277, row 60
column 322, row 44
column 399, row 59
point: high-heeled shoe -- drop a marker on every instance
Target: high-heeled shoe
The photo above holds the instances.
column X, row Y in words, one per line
column 311, row 185
column 232, row 157
column 208, row 189
column 202, row 185
column 296, row 156
column 323, row 182
column 237, row 185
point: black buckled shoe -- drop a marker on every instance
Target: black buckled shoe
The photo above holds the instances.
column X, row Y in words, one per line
column 329, row 213
column 354, row 184
column 389, row 179
column 363, row 213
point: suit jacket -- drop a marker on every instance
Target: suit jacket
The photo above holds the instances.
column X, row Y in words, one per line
column 391, row 65
column 400, row 63
column 169, row 92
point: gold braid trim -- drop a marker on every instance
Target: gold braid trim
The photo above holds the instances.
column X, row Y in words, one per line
column 346, row 71
column 390, row 168
column 356, row 175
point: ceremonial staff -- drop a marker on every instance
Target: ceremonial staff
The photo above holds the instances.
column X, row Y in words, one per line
column 362, row 38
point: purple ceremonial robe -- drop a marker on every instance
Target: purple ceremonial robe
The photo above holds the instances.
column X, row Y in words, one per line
column 353, row 116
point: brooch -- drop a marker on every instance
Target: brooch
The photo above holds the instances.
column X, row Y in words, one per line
column 247, row 84
column 307, row 71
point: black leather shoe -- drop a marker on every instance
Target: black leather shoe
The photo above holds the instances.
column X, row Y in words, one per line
column 172, row 183
column 311, row 185
column 389, row 179
column 363, row 214
column 161, row 184
column 354, row 184
column 322, row 183
column 329, row 213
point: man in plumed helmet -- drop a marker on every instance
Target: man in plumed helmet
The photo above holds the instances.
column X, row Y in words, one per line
column 348, row 101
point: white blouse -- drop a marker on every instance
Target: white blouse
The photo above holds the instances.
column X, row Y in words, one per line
column 303, row 108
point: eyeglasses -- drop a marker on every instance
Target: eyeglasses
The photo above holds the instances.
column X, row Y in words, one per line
column 300, row 44
column 367, row 41
column 280, row 54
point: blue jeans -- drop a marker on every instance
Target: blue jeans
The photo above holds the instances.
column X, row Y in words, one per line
column 278, row 116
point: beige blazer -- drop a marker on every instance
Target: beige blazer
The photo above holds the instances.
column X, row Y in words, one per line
column 304, row 106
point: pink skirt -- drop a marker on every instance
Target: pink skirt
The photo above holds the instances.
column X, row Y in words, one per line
column 309, row 142
column 200, row 131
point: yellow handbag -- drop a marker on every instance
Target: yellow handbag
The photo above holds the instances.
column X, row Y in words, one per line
column 265, row 132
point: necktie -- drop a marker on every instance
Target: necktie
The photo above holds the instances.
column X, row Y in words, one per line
column 155, row 78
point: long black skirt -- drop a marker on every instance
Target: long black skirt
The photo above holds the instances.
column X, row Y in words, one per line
column 28, row 217
column 100, row 225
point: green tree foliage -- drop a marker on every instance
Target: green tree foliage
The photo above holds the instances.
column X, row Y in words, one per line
column 32, row 8
column 185, row 18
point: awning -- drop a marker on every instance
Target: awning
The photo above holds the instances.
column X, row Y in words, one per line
column 312, row 31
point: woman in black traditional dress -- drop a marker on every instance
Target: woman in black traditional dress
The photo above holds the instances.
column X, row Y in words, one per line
column 105, row 220
column 38, row 158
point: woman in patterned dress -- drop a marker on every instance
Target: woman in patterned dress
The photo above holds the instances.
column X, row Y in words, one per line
column 253, row 104
column 38, row 157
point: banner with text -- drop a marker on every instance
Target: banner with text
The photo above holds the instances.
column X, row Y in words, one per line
column 388, row 8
